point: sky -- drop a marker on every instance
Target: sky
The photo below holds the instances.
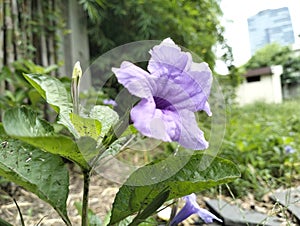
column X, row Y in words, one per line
column 235, row 15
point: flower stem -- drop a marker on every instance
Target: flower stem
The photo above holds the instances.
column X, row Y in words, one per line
column 85, row 198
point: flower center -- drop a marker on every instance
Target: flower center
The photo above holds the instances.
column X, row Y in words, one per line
column 162, row 103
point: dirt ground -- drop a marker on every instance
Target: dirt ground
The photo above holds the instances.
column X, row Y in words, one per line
column 37, row 212
column 102, row 192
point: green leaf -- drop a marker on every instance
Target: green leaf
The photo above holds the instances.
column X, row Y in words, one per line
column 23, row 123
column 39, row 172
column 52, row 90
column 4, row 223
column 107, row 116
column 55, row 93
column 86, row 126
column 199, row 173
column 151, row 208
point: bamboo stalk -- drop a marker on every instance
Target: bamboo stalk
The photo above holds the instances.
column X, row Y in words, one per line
column 16, row 32
column 1, row 36
column 43, row 45
column 8, row 40
column 29, row 43
column 2, row 84
column 8, row 30
column 22, row 12
column 50, row 36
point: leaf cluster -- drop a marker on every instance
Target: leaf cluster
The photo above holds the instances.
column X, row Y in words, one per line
column 275, row 54
column 193, row 24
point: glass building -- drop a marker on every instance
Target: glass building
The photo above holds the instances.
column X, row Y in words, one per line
column 271, row 25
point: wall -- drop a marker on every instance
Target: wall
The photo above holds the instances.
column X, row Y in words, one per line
column 268, row 89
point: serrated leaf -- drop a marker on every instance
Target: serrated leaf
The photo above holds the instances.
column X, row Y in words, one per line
column 86, row 127
column 39, row 172
column 23, row 123
column 55, row 93
column 200, row 172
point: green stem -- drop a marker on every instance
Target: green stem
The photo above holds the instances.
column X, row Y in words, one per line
column 85, row 198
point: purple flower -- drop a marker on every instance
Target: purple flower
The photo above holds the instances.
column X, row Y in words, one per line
column 171, row 92
column 289, row 150
column 109, row 102
column 191, row 207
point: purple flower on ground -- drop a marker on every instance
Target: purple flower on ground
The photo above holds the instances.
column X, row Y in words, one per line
column 109, row 102
column 191, row 207
column 171, row 92
column 288, row 149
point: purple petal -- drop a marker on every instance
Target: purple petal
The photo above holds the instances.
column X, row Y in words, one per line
column 207, row 216
column 187, row 210
column 167, row 60
column 136, row 80
column 190, row 135
column 197, row 84
column 174, row 93
column 191, row 206
column 152, row 122
column 168, row 57
column 109, row 102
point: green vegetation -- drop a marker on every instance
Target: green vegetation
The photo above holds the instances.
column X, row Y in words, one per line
column 255, row 139
column 275, row 54
column 192, row 24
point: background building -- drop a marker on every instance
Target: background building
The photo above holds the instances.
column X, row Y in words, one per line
column 271, row 25
column 262, row 84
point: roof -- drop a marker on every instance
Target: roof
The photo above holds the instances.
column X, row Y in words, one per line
column 259, row 71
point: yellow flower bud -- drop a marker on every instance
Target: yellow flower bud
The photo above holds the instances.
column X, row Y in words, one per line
column 77, row 72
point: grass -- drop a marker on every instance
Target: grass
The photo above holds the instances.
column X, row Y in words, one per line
column 256, row 138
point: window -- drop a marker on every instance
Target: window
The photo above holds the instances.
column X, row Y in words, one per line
column 253, row 78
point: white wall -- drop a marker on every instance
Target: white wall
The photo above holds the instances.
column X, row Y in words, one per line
column 268, row 89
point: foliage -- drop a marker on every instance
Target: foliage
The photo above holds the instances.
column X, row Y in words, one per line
column 199, row 173
column 275, row 54
column 91, row 137
column 271, row 54
column 20, row 92
column 256, row 139
column 230, row 82
column 41, row 173
column 193, row 24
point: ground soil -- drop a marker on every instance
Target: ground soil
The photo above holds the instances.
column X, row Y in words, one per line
column 102, row 193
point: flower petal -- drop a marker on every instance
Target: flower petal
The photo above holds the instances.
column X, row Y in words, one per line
column 136, row 80
column 167, row 57
column 184, row 213
column 190, row 135
column 174, row 93
column 207, row 216
column 152, row 122
column 197, row 84
column 191, row 206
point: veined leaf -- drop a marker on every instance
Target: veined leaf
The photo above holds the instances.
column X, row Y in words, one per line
column 55, row 93
column 86, row 127
column 107, row 116
column 199, row 173
column 39, row 172
column 23, row 123
column 52, row 90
